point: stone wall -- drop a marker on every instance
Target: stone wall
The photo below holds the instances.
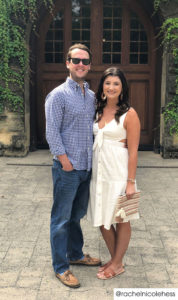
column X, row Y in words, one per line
column 169, row 143
column 15, row 126
column 13, row 138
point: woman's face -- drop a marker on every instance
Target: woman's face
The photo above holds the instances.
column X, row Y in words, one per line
column 112, row 87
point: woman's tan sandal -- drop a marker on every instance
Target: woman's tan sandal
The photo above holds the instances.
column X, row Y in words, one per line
column 108, row 274
column 103, row 267
column 87, row 261
column 68, row 279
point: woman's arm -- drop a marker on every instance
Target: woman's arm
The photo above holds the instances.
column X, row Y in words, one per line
column 132, row 125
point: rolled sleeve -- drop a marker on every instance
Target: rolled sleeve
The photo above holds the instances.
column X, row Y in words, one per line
column 54, row 110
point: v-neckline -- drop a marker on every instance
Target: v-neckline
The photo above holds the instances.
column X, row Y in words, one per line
column 106, row 124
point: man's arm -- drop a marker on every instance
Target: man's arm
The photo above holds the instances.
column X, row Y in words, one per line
column 54, row 109
column 54, row 115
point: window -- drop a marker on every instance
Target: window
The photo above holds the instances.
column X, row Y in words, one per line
column 112, row 31
column 81, row 12
column 116, row 49
column 54, row 40
column 138, row 41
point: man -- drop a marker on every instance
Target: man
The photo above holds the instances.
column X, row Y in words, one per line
column 69, row 131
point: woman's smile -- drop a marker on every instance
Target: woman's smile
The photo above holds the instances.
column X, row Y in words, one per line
column 112, row 87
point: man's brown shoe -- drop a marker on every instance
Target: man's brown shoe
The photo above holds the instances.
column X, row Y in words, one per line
column 68, row 279
column 87, row 261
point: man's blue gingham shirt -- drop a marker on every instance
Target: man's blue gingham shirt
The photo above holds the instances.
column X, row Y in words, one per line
column 69, row 123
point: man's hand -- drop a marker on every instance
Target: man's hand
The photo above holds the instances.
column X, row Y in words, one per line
column 65, row 162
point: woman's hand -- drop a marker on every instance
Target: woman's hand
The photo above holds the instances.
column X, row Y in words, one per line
column 130, row 189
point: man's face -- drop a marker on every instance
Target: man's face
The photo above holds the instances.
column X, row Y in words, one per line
column 78, row 71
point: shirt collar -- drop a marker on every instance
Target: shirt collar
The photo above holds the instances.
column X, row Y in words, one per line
column 73, row 84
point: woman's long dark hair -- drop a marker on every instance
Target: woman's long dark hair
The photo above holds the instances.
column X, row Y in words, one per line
column 123, row 104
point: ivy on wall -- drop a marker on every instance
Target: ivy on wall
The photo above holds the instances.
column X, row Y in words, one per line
column 169, row 32
column 14, row 16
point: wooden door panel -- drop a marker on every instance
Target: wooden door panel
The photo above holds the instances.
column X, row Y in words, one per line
column 47, row 86
column 139, row 100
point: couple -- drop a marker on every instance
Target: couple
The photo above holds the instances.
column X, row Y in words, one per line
column 73, row 116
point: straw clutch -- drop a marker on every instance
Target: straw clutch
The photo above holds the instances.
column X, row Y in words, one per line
column 127, row 207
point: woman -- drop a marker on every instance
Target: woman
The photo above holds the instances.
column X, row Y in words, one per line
column 117, row 131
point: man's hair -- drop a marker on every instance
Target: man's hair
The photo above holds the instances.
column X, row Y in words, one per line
column 78, row 46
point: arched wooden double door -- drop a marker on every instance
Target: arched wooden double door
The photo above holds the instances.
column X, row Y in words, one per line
column 118, row 33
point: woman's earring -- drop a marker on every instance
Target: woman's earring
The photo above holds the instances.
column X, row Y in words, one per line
column 103, row 96
column 121, row 96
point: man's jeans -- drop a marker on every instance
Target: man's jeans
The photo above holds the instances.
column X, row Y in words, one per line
column 71, row 193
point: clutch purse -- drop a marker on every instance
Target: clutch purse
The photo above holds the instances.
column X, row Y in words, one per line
column 126, row 207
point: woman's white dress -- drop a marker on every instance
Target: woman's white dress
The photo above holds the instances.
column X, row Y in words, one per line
column 109, row 173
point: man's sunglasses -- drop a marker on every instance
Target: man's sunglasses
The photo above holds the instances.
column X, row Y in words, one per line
column 76, row 61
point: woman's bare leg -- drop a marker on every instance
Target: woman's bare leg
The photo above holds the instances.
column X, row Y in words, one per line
column 109, row 237
column 123, row 234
